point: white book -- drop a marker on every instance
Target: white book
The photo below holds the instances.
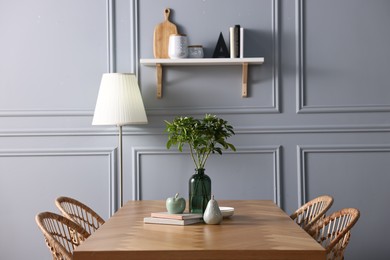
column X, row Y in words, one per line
column 232, row 49
column 169, row 221
column 241, row 42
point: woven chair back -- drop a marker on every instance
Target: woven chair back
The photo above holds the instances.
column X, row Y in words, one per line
column 334, row 231
column 62, row 235
column 312, row 211
column 79, row 213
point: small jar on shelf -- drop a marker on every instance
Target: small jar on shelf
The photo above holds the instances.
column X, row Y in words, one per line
column 195, row 51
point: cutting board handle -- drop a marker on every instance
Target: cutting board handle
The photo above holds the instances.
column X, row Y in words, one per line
column 167, row 12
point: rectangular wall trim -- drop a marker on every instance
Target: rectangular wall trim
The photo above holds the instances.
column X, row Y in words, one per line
column 274, row 108
column 113, row 131
column 302, row 151
column 274, row 150
column 301, row 106
column 108, row 152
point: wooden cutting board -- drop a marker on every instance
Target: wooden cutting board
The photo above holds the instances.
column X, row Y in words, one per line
column 161, row 36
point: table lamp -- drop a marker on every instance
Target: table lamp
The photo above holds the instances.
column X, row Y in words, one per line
column 119, row 103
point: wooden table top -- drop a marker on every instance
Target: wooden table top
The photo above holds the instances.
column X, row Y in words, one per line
column 259, row 229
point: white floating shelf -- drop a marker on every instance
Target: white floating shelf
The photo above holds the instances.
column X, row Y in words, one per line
column 159, row 63
column 201, row 62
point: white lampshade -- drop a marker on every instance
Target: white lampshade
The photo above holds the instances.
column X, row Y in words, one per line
column 119, row 101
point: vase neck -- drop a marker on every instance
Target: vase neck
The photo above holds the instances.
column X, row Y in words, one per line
column 200, row 171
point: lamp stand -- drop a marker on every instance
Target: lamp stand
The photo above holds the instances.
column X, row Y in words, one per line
column 120, row 167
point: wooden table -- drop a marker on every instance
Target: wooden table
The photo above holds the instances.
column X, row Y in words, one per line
column 259, row 229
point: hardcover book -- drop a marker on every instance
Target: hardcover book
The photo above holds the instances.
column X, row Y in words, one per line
column 169, row 221
column 241, row 42
column 175, row 216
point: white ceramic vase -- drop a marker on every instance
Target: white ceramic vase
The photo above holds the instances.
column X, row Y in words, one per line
column 177, row 46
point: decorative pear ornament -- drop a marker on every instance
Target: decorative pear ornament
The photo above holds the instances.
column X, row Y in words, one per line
column 212, row 215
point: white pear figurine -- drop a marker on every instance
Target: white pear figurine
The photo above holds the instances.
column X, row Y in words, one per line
column 212, row 214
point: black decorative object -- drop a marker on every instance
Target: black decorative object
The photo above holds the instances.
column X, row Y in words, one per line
column 221, row 50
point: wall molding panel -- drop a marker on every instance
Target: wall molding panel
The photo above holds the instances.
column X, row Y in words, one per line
column 275, row 54
column 315, row 129
column 109, row 131
column 221, row 111
column 113, row 131
column 111, row 154
column 45, row 113
column 302, row 152
column 134, row 37
column 55, row 112
column 274, row 150
column 274, row 108
column 111, row 34
column 301, row 106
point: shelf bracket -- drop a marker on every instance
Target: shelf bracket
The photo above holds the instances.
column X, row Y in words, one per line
column 244, row 91
column 159, row 80
column 160, row 63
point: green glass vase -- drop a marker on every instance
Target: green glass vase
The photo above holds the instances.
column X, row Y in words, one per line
column 199, row 191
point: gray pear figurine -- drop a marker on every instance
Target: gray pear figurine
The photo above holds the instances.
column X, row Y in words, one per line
column 212, row 214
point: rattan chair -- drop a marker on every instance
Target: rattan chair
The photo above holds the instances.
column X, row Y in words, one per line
column 312, row 211
column 334, row 231
column 79, row 213
column 61, row 234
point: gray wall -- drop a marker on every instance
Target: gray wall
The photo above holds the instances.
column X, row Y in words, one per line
column 316, row 120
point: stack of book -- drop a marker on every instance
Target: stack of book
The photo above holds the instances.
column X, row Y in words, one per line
column 166, row 218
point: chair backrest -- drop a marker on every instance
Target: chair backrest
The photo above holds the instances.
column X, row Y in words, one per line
column 79, row 213
column 334, row 231
column 61, row 234
column 312, row 211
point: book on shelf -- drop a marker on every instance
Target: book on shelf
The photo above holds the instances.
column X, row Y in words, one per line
column 232, row 42
column 170, row 221
column 236, row 34
column 237, row 40
column 241, row 42
column 175, row 216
